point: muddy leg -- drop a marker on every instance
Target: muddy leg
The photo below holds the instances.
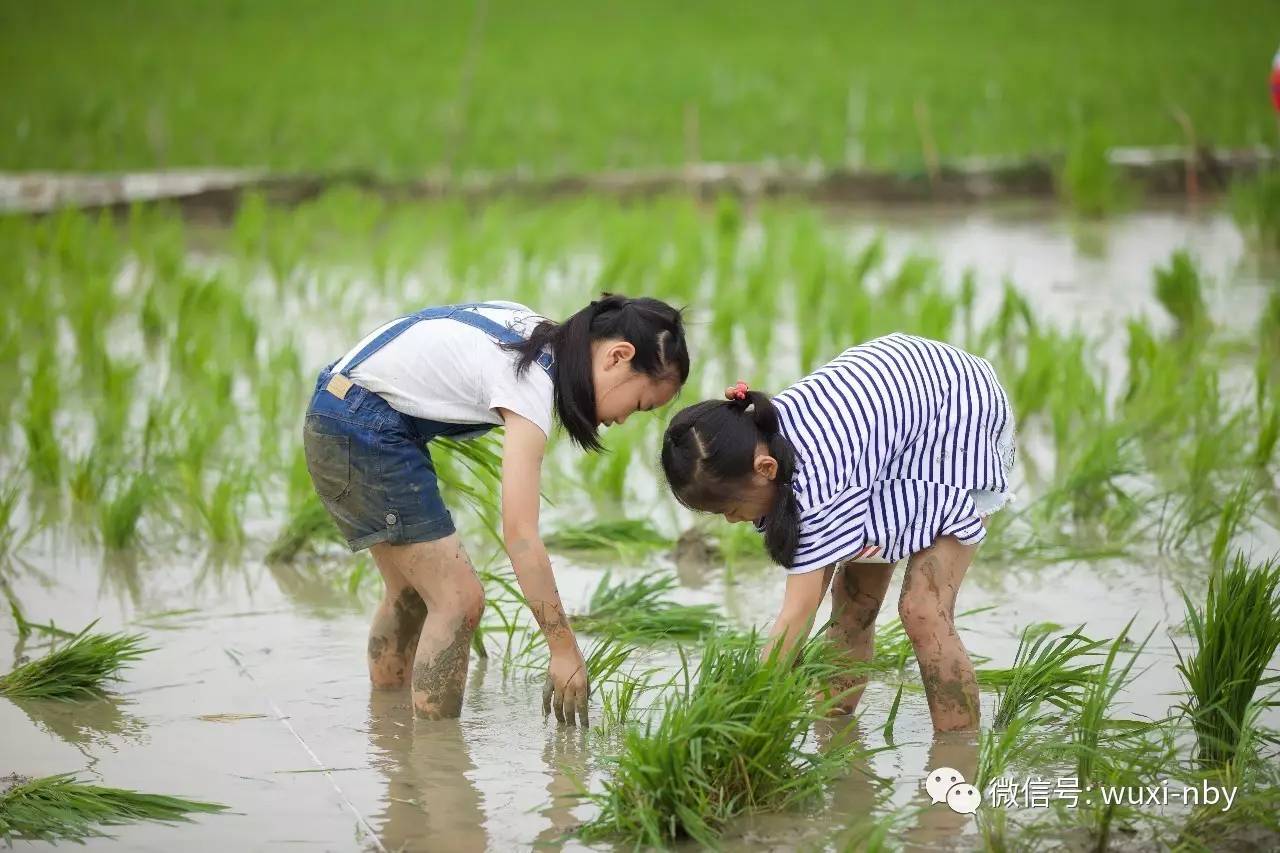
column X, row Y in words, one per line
column 393, row 635
column 442, row 575
column 927, row 607
column 856, row 593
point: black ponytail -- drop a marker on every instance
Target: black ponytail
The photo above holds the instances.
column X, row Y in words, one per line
column 710, row 447
column 653, row 327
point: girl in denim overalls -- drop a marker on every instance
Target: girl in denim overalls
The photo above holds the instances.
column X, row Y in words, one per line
column 459, row 371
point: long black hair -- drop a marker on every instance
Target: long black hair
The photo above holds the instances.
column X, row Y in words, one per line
column 652, row 326
column 710, row 448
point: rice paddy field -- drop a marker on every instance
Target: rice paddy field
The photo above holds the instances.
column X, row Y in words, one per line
column 1124, row 616
column 182, row 664
column 572, row 86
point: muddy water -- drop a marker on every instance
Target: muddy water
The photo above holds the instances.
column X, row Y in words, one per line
column 256, row 694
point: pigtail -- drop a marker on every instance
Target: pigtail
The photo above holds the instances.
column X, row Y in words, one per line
column 710, row 445
column 782, row 524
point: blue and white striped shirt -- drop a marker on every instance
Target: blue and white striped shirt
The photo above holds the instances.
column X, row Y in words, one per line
column 889, row 439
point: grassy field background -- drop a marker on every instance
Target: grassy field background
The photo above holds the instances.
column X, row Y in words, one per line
column 406, row 87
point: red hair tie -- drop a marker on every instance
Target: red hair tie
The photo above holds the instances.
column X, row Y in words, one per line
column 740, row 390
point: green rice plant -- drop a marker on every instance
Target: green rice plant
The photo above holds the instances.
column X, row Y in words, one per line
column 738, row 543
column 9, row 506
column 619, row 699
column 730, row 741
column 76, row 670
column 220, row 507
column 1237, row 511
column 606, row 657
column 1264, row 448
column 121, row 510
column 1001, row 747
column 1255, row 204
column 1236, row 634
column 308, row 524
column 625, row 537
column 1044, row 670
column 25, row 626
column 1089, row 183
column 472, row 471
column 1269, row 326
column 1090, row 732
column 44, row 455
column 54, row 808
column 1180, row 291
column 638, row 610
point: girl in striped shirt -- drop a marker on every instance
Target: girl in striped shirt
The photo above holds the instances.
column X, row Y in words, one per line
column 897, row 449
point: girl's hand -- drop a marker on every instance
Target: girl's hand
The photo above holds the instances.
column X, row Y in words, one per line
column 800, row 602
column 566, row 690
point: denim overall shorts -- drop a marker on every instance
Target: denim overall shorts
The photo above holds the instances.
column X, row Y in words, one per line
column 370, row 464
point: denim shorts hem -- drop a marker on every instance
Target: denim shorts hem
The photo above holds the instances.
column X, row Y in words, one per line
column 405, row 534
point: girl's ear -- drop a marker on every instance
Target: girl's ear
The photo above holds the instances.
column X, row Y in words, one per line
column 619, row 352
column 766, row 466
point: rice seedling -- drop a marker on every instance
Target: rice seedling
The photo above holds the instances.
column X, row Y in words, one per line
column 627, row 538
column 1180, row 291
column 26, row 627
column 638, row 610
column 1001, row 749
column 44, row 454
column 1044, row 669
column 1088, row 181
column 472, row 470
column 1256, row 206
column 308, row 524
column 121, row 510
column 9, row 505
column 1089, row 732
column 54, row 808
column 729, row 741
column 1236, row 634
column 219, row 509
column 77, row 669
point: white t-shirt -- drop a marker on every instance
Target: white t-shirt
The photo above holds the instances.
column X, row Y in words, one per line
column 446, row 370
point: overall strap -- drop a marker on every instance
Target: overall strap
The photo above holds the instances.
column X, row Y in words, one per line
column 502, row 333
column 463, row 314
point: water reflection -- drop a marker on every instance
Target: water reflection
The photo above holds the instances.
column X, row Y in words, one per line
column 431, row 803
column 565, row 755
column 937, row 823
column 101, row 722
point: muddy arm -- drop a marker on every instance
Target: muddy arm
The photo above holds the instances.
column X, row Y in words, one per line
column 800, row 602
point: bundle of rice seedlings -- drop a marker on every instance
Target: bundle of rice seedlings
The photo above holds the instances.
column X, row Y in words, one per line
column 76, row 670
column 1236, row 635
column 625, row 537
column 637, row 610
column 59, row 807
column 730, row 741
column 1044, row 670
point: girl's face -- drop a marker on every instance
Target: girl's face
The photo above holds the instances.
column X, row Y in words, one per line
column 620, row 390
column 753, row 498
